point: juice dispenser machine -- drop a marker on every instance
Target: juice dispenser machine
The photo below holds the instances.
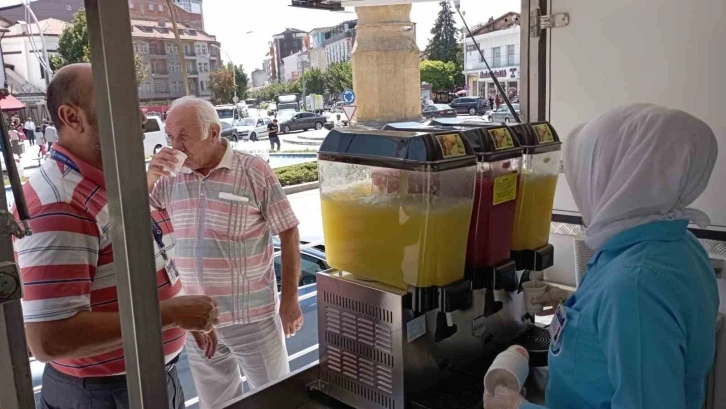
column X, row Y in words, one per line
column 539, row 172
column 490, row 233
column 396, row 205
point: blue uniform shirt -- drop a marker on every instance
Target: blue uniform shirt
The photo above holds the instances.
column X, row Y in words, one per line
column 640, row 329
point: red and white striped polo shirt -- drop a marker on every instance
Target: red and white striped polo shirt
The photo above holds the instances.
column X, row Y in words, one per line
column 67, row 264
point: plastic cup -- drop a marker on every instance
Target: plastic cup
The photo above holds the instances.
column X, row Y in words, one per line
column 510, row 369
column 533, row 289
column 181, row 157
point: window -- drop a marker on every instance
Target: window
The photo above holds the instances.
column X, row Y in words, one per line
column 136, row 48
column 510, row 55
column 206, row 67
column 201, row 86
column 151, row 125
column 144, row 48
column 160, row 8
column 204, row 49
column 151, row 7
column 131, row 4
column 226, row 126
column 497, row 57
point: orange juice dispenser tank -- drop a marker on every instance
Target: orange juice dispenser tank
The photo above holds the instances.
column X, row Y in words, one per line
column 396, row 205
column 538, row 174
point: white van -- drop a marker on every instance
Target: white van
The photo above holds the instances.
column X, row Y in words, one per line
column 154, row 136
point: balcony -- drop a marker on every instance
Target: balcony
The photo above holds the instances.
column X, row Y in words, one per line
column 159, row 72
column 157, row 51
column 190, row 54
column 192, row 72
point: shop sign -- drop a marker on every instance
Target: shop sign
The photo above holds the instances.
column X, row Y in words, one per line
column 503, row 73
column 31, row 99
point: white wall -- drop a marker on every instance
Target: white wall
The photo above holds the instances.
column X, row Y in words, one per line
column 487, row 42
column 290, row 66
column 26, row 63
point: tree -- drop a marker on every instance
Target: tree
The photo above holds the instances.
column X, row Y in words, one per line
column 73, row 47
column 221, row 83
column 241, row 78
column 439, row 74
column 442, row 47
column 339, row 77
column 459, row 79
column 314, row 81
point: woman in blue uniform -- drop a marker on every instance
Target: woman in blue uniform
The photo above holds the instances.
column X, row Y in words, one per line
column 640, row 330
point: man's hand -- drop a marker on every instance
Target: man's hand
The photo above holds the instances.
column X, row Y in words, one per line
column 290, row 314
column 207, row 342
column 191, row 312
column 158, row 166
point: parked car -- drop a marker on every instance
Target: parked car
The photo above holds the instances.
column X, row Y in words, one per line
column 438, row 111
column 301, row 121
column 503, row 114
column 469, row 105
column 312, row 260
column 253, row 128
column 154, row 135
column 229, row 132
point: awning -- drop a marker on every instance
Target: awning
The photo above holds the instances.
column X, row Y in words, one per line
column 10, row 103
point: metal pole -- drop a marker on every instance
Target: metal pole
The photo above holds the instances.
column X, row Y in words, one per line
column 119, row 121
column 180, row 54
column 16, row 387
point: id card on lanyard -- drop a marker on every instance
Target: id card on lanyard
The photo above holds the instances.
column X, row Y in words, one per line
column 171, row 271
column 558, row 325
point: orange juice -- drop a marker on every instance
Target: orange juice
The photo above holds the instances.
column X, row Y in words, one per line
column 400, row 240
column 532, row 216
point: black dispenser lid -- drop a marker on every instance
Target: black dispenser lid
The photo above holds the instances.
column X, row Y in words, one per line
column 490, row 144
column 536, row 137
column 420, row 151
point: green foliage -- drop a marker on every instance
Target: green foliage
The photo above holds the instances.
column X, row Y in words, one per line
column 459, row 79
column 442, row 46
column 242, row 79
column 73, row 43
column 314, row 81
column 221, row 83
column 339, row 77
column 439, row 74
column 73, row 47
column 296, row 174
column 335, row 80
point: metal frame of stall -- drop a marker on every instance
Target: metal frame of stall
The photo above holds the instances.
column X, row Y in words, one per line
column 119, row 117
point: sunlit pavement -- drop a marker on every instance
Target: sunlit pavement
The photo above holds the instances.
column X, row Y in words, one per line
column 301, row 347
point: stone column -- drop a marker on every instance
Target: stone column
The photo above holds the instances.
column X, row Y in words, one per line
column 385, row 58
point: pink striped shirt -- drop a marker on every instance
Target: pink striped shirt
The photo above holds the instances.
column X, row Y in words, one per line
column 224, row 223
column 67, row 263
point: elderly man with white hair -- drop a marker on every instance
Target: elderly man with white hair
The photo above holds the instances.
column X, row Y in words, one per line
column 225, row 207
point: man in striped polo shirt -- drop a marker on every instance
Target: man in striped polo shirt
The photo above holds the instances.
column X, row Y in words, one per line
column 225, row 207
column 70, row 303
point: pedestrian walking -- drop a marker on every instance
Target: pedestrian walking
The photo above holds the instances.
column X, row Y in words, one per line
column 29, row 128
column 498, row 101
column 491, row 103
column 51, row 135
column 272, row 129
column 226, row 206
column 70, row 302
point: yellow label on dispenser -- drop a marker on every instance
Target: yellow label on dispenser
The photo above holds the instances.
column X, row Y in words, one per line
column 505, row 189
column 544, row 133
column 501, row 138
column 451, row 145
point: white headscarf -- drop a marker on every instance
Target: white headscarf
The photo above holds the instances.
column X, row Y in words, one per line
column 637, row 164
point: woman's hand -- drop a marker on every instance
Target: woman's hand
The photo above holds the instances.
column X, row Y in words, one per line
column 503, row 398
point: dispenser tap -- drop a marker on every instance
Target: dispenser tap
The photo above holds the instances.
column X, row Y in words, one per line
column 444, row 326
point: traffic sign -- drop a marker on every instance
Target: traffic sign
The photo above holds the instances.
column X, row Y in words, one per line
column 349, row 111
column 349, row 97
column 235, row 99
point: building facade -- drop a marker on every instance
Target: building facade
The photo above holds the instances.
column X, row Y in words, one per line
column 340, row 47
column 157, row 46
column 259, row 78
column 499, row 40
column 290, row 67
column 287, row 43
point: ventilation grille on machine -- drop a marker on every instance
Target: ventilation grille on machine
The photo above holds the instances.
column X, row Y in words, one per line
column 360, row 390
column 359, row 348
column 359, row 307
